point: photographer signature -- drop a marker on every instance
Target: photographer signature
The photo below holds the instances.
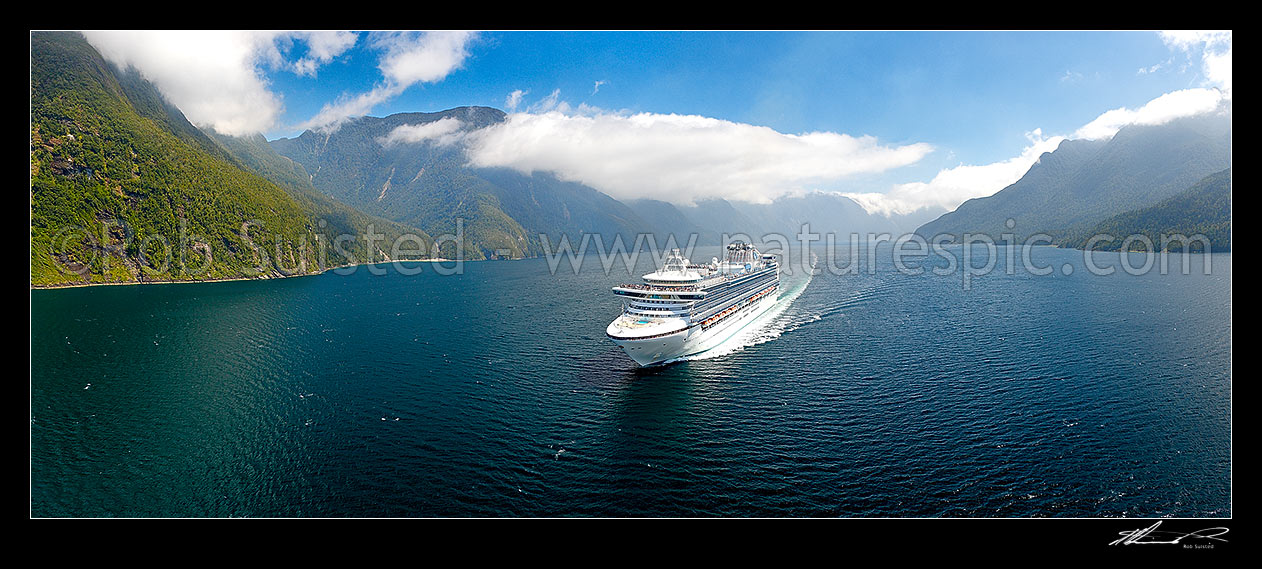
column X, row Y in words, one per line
column 1150, row 535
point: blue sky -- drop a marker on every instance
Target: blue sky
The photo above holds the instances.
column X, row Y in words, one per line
column 900, row 108
column 975, row 90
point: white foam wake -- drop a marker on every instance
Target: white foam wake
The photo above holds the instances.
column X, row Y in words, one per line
column 766, row 327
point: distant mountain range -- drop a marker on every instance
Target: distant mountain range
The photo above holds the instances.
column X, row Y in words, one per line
column 125, row 189
column 1083, row 183
column 429, row 184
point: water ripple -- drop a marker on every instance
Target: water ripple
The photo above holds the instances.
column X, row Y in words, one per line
column 495, row 394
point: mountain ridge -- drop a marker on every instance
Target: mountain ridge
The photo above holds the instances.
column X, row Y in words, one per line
column 125, row 190
column 427, row 182
column 1203, row 210
column 108, row 148
column 1083, row 182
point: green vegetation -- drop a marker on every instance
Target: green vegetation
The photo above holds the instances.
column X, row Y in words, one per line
column 1204, row 209
column 125, row 189
column 334, row 218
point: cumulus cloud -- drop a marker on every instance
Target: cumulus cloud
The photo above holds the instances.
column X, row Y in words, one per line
column 953, row 186
column 412, row 57
column 216, row 78
column 212, row 76
column 443, row 132
column 407, row 58
column 678, row 158
column 322, row 47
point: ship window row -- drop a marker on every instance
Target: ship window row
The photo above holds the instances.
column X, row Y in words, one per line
column 720, row 296
column 738, row 282
column 644, row 314
column 696, row 313
column 734, row 313
column 657, row 298
column 659, row 302
column 656, row 309
column 705, row 311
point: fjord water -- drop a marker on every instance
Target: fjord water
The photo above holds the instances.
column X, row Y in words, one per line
column 496, row 393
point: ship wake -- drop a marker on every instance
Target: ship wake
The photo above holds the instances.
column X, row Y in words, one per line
column 767, row 327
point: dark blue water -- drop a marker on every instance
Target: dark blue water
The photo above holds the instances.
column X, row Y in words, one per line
column 496, row 393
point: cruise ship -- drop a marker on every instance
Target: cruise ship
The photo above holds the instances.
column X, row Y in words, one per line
column 683, row 308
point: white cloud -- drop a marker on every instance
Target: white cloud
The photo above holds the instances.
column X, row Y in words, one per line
column 1161, row 110
column 514, row 99
column 215, row 77
column 1153, row 68
column 322, row 47
column 427, row 57
column 596, row 87
column 678, row 158
column 550, row 103
column 443, row 132
column 333, row 115
column 407, row 58
column 212, row 76
column 1214, row 48
column 953, row 186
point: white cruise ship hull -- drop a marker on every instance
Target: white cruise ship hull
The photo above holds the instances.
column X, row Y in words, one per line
column 693, row 339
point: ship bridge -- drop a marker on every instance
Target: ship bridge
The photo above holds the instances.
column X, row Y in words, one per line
column 668, row 292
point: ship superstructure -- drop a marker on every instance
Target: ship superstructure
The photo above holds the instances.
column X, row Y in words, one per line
column 684, row 308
